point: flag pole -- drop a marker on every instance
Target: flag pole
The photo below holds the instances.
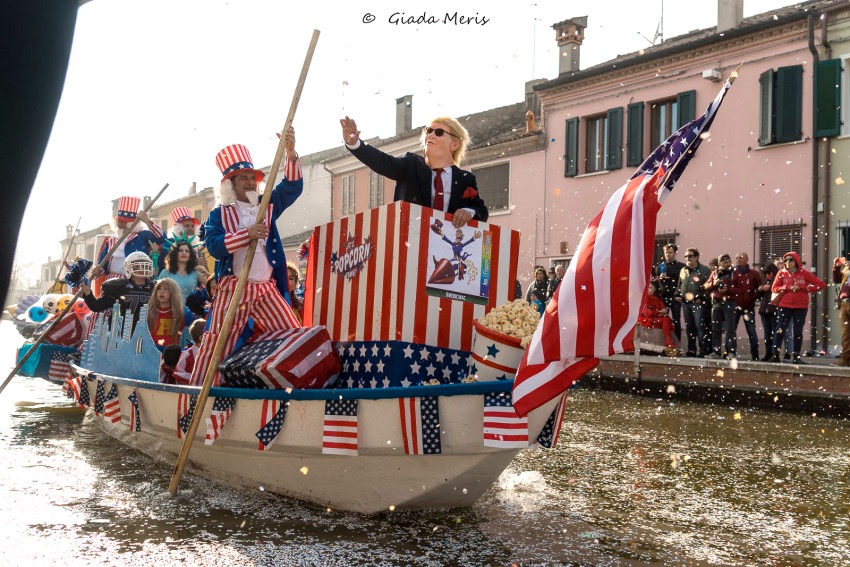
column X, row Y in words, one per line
column 227, row 324
column 77, row 295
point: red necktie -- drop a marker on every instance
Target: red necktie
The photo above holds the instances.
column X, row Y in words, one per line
column 438, row 189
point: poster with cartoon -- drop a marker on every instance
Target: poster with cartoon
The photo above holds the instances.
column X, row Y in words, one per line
column 459, row 263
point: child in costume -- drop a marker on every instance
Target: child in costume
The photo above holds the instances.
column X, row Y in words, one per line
column 165, row 313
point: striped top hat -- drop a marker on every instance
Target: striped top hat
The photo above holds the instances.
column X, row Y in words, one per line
column 128, row 208
column 181, row 214
column 236, row 159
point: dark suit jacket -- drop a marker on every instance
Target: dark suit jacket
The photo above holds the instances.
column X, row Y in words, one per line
column 413, row 180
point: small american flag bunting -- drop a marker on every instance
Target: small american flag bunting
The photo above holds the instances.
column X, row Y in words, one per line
column 339, row 434
column 271, row 422
column 503, row 428
column 222, row 407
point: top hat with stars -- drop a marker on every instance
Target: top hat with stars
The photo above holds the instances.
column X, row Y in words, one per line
column 236, row 159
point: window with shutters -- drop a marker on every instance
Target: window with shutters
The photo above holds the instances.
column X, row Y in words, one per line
column 843, row 240
column 376, row 190
column 596, row 147
column 634, row 135
column 667, row 116
column 775, row 240
column 494, row 186
column 781, row 105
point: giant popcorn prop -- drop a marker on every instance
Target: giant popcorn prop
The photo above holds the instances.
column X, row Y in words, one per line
column 501, row 339
column 402, row 272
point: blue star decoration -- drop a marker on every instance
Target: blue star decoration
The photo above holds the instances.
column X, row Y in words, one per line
column 502, row 377
column 473, row 370
column 492, row 350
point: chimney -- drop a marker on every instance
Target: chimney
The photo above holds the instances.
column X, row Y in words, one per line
column 69, row 230
column 730, row 13
column 569, row 35
column 532, row 99
column 403, row 114
column 194, row 188
column 529, row 122
column 145, row 202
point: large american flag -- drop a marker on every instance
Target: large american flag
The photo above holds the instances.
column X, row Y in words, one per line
column 420, row 425
column 596, row 308
column 339, row 434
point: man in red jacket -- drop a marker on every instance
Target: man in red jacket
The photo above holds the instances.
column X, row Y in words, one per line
column 744, row 288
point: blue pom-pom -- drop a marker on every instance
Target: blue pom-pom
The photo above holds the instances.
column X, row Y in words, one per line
column 77, row 272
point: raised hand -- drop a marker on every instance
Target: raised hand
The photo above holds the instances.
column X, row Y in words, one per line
column 350, row 133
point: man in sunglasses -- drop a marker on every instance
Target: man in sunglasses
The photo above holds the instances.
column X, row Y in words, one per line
column 433, row 180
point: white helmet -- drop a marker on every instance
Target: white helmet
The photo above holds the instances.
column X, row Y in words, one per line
column 139, row 264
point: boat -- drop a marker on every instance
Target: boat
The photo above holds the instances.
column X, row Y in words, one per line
column 391, row 433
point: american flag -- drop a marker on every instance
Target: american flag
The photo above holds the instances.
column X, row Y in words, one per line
column 420, row 425
column 185, row 410
column 503, row 428
column 85, row 398
column 112, row 405
column 99, row 395
column 218, row 417
column 387, row 298
column 549, row 434
column 74, row 387
column 385, row 364
column 271, row 422
column 339, row 435
column 303, row 357
column 135, row 416
column 60, row 368
column 596, row 308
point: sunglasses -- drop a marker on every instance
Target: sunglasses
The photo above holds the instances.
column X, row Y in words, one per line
column 690, row 256
column 439, row 132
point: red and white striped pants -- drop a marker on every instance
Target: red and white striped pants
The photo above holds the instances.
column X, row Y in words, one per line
column 260, row 301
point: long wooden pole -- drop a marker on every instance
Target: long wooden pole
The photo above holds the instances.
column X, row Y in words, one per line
column 227, row 324
column 77, row 295
column 65, row 259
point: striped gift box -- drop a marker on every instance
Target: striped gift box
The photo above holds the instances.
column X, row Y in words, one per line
column 371, row 276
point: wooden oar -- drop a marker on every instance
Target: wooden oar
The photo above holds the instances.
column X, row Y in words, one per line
column 227, row 324
column 77, row 295
column 65, row 259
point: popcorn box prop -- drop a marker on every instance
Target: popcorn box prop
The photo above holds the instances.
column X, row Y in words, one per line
column 495, row 356
column 389, row 364
column 295, row 358
column 402, row 272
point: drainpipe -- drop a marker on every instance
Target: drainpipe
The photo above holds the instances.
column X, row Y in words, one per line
column 827, row 182
column 814, row 300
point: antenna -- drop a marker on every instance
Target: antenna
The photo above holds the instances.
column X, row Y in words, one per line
column 658, row 37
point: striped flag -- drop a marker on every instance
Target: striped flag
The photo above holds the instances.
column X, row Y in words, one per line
column 74, row 387
column 135, row 415
column 597, row 305
column 112, row 405
column 185, row 410
column 503, row 428
column 549, row 434
column 222, row 407
column 99, row 395
column 60, row 369
column 339, row 435
column 271, row 422
column 420, row 425
column 85, row 398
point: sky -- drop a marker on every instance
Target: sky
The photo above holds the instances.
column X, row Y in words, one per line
column 156, row 88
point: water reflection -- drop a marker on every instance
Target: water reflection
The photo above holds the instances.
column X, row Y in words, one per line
column 634, row 481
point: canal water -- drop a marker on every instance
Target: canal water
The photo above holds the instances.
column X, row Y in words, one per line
column 633, row 481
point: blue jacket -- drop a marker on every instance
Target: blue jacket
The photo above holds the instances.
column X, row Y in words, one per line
column 282, row 198
column 136, row 242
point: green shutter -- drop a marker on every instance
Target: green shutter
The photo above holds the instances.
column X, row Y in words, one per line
column 828, row 98
column 614, row 146
column 634, row 135
column 766, row 111
column 571, row 149
column 687, row 102
column 789, row 103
